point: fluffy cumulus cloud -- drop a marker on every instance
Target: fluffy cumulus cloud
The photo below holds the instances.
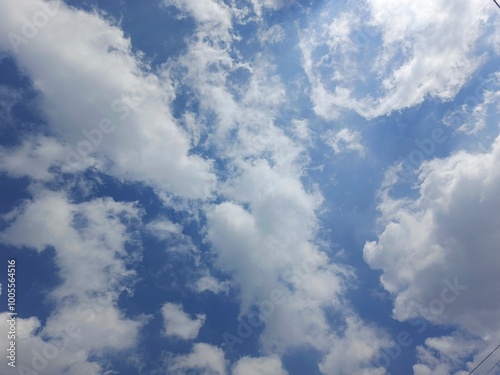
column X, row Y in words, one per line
column 355, row 352
column 441, row 355
column 206, row 358
column 129, row 111
column 260, row 251
column 438, row 252
column 90, row 243
column 384, row 56
column 33, row 158
column 257, row 366
column 263, row 238
column 42, row 356
column 211, row 360
column 179, row 324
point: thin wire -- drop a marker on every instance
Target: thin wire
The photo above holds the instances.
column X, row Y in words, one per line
column 498, row 5
column 491, row 369
column 475, row 368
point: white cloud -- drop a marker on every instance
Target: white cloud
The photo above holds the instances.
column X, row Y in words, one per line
column 35, row 355
column 301, row 129
column 204, row 357
column 441, row 355
column 163, row 228
column 210, row 283
column 259, row 366
column 259, row 245
column 37, row 157
column 179, row 324
column 89, row 240
column 212, row 13
column 471, row 116
column 88, row 237
column 355, row 351
column 259, row 5
column 119, row 112
column 345, row 140
column 274, row 34
column 33, row 158
column 438, row 252
column 392, row 54
column 103, row 326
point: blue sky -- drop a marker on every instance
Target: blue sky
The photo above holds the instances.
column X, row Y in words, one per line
column 250, row 187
